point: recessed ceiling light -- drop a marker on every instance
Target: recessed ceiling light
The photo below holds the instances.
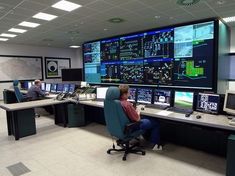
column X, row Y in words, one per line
column 74, row 46
column 17, row 30
column 105, row 29
column 116, row 20
column 229, row 19
column 66, row 5
column 187, row 2
column 45, row 16
column 29, row 24
column 220, row 2
column 157, row 17
column 7, row 35
column 4, row 39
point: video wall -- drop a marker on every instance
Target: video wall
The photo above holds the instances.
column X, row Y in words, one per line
column 181, row 56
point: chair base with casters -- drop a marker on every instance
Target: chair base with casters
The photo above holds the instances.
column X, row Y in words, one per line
column 126, row 148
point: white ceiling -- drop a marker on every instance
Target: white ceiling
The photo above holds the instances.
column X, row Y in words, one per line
column 89, row 21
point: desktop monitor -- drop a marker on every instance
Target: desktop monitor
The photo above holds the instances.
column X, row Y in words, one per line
column 229, row 102
column 29, row 84
column 144, row 95
column 208, row 103
column 132, row 96
column 60, row 88
column 24, row 85
column 48, row 87
column 66, row 88
column 162, row 97
column 71, row 88
column 43, row 86
column 53, row 88
column 101, row 92
column 183, row 100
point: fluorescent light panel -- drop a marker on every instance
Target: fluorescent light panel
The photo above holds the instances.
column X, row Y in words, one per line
column 229, row 19
column 4, row 39
column 66, row 5
column 29, row 24
column 74, row 46
column 44, row 16
column 7, row 35
column 17, row 30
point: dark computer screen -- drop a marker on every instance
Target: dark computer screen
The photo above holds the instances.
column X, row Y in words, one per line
column 162, row 97
column 230, row 104
column 144, row 95
column 208, row 103
column 48, row 87
column 24, row 85
column 66, row 88
column 60, row 88
column 53, row 87
column 132, row 96
column 71, row 88
column 183, row 100
column 72, row 74
column 43, row 86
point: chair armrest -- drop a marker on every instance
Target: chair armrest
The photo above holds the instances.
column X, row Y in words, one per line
column 130, row 127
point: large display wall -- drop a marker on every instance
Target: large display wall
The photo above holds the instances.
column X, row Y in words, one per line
column 180, row 56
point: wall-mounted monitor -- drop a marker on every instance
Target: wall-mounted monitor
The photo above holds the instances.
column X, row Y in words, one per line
column 71, row 74
column 182, row 56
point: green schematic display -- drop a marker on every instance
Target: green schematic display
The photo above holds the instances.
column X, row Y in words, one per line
column 193, row 71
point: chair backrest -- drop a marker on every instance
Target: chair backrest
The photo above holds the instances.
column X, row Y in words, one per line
column 115, row 117
column 18, row 94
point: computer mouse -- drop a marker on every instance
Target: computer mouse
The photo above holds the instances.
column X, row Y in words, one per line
column 142, row 108
column 198, row 116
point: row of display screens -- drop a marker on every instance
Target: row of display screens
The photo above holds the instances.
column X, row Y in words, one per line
column 205, row 102
column 177, row 56
column 52, row 87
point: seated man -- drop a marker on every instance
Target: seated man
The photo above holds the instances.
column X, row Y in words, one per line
column 146, row 123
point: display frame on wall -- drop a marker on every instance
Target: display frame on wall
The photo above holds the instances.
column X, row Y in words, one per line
column 52, row 63
column 29, row 70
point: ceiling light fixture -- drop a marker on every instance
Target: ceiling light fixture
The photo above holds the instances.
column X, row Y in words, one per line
column 45, row 16
column 29, row 24
column 229, row 19
column 7, row 35
column 116, row 20
column 66, row 6
column 4, row 39
column 187, row 2
column 17, row 30
column 74, row 46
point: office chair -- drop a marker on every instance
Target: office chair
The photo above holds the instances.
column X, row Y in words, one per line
column 119, row 125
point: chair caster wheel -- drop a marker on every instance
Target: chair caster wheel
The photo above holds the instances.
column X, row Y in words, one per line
column 124, row 158
column 108, row 151
column 143, row 153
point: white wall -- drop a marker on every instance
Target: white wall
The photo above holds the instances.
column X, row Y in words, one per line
column 232, row 50
column 26, row 50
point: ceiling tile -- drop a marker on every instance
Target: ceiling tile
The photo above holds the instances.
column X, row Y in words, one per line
column 100, row 6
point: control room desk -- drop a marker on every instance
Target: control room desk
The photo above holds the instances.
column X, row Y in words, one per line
column 21, row 116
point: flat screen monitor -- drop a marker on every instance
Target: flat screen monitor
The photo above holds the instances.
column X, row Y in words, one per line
column 132, row 96
column 66, row 88
column 53, row 88
column 71, row 74
column 229, row 102
column 48, row 87
column 208, row 103
column 29, row 84
column 71, row 88
column 144, row 95
column 162, row 97
column 43, row 86
column 101, row 92
column 24, row 85
column 183, row 100
column 60, row 88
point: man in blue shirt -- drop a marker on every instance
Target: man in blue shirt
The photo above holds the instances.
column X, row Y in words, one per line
column 35, row 92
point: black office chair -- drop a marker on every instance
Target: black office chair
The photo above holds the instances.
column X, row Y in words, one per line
column 119, row 125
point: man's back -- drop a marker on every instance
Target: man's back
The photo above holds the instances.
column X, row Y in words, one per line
column 34, row 92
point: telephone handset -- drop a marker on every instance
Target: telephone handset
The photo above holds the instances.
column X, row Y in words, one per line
column 60, row 96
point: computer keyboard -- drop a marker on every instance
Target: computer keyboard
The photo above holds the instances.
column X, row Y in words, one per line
column 180, row 110
column 156, row 106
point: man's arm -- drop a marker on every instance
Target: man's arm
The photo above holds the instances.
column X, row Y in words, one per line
column 40, row 92
column 132, row 113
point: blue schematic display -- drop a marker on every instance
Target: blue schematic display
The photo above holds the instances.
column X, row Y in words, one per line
column 144, row 96
column 132, row 96
column 181, row 56
column 162, row 97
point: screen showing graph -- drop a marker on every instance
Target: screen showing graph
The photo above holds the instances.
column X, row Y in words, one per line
column 181, row 56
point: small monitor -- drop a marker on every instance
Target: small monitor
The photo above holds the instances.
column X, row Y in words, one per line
column 132, row 96
column 60, row 88
column 183, row 100
column 71, row 88
column 144, row 95
column 229, row 102
column 48, row 87
column 43, row 86
column 53, row 88
column 29, row 84
column 66, row 88
column 101, row 92
column 162, row 97
column 208, row 103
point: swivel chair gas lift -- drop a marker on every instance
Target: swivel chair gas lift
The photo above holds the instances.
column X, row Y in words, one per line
column 119, row 125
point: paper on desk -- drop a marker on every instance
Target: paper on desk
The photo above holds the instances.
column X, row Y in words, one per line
column 164, row 113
